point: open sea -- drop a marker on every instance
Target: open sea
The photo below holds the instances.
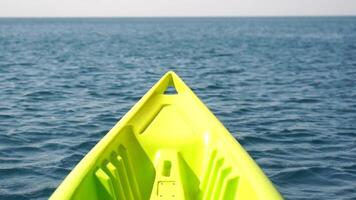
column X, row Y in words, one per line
column 285, row 87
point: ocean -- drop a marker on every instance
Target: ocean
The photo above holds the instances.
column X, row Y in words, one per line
column 285, row 87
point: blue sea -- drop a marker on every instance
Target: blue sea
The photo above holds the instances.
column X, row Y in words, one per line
column 285, row 87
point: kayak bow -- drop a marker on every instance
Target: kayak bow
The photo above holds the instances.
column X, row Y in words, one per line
column 168, row 146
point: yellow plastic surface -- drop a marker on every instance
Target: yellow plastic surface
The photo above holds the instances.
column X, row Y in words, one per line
column 168, row 146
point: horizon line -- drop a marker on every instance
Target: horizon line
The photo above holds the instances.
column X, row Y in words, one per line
column 182, row 16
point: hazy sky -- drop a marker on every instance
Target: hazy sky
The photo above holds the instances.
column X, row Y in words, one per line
column 13, row 8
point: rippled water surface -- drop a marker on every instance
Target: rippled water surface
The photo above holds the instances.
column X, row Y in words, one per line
column 285, row 88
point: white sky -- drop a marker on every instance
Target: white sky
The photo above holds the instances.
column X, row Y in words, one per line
column 82, row 8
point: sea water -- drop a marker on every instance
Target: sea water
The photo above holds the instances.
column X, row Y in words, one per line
column 284, row 87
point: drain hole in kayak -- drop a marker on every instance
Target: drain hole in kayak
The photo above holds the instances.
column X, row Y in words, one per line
column 167, row 165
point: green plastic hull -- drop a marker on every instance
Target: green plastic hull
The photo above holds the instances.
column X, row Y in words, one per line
column 168, row 146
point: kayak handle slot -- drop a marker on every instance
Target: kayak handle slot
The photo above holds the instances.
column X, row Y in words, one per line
column 170, row 90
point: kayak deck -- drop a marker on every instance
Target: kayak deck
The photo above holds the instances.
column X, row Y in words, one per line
column 168, row 146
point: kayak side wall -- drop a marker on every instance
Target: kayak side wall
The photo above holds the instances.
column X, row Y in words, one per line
column 261, row 185
column 77, row 179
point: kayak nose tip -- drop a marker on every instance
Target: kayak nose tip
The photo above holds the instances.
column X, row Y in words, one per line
column 170, row 72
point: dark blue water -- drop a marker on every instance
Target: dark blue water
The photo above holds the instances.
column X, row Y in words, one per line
column 285, row 87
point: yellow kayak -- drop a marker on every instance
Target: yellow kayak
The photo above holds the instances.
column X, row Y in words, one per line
column 168, row 146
